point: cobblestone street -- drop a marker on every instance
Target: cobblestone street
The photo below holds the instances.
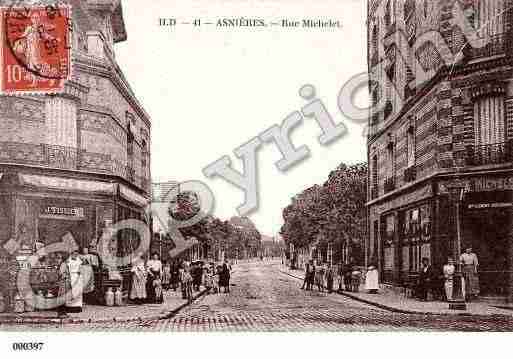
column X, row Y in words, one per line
column 264, row 299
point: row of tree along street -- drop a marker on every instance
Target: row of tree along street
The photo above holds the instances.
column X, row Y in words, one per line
column 328, row 222
column 234, row 238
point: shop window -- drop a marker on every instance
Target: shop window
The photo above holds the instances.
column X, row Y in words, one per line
column 415, row 237
column 388, row 245
column 406, row 258
column 425, row 222
column 388, row 260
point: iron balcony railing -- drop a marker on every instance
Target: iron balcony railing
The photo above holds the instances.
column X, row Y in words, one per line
column 492, row 46
column 374, row 192
column 389, row 184
column 410, row 174
column 374, row 58
column 68, row 158
column 130, row 174
column 496, row 153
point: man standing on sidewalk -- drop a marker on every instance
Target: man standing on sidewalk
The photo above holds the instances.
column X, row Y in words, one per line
column 307, row 273
column 425, row 279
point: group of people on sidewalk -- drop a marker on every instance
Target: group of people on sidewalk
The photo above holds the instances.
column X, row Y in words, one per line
column 345, row 276
column 151, row 279
column 432, row 281
column 439, row 283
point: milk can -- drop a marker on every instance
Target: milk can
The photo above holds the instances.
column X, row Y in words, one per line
column 118, row 297
column 109, row 297
column 50, row 298
column 29, row 302
column 39, row 302
column 2, row 303
column 19, row 304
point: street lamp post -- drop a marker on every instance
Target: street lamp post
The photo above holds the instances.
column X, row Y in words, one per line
column 456, row 192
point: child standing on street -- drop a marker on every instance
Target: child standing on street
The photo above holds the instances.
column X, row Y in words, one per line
column 208, row 279
column 215, row 279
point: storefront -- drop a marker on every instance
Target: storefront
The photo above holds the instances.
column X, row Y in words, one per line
column 487, row 226
column 39, row 212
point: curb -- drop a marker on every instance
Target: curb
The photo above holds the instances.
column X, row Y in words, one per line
column 47, row 320
column 393, row 309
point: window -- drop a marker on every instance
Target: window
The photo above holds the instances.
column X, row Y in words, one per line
column 388, row 14
column 391, row 158
column 489, row 120
column 409, row 9
column 409, row 18
column 375, row 34
column 144, row 155
column 489, row 17
column 374, row 179
column 410, row 139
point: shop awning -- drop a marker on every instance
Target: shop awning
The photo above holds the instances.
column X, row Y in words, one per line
column 67, row 184
column 133, row 196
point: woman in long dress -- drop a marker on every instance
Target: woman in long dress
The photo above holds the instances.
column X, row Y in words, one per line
column 371, row 280
column 166, row 276
column 469, row 264
column 319, row 277
column 154, row 283
column 71, row 288
column 138, row 290
column 89, row 262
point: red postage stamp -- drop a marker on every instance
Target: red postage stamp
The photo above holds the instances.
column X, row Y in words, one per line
column 36, row 49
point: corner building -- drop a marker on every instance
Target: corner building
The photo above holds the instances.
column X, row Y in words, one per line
column 73, row 163
column 426, row 138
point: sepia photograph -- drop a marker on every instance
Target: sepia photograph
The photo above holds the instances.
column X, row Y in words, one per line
column 244, row 166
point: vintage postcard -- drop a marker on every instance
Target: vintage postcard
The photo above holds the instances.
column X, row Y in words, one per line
column 255, row 165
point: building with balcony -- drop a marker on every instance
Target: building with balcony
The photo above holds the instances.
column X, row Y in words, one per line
column 71, row 164
column 442, row 120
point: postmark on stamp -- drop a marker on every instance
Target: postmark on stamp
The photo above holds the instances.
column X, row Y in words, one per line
column 35, row 48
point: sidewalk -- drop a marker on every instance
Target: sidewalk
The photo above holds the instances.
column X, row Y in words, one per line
column 173, row 303
column 400, row 304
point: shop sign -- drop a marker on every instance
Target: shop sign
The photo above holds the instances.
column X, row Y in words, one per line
column 489, row 205
column 63, row 212
column 483, row 184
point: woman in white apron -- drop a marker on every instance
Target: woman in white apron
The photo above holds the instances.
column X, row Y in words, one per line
column 72, row 287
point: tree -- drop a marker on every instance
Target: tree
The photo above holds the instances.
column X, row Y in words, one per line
column 333, row 213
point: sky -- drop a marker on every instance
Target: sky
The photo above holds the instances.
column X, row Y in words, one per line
column 209, row 90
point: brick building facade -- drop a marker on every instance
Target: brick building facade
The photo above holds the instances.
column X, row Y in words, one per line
column 451, row 129
column 76, row 162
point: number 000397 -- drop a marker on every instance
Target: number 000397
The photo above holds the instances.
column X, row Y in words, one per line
column 27, row 346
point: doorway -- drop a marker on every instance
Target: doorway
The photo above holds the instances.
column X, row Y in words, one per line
column 486, row 231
